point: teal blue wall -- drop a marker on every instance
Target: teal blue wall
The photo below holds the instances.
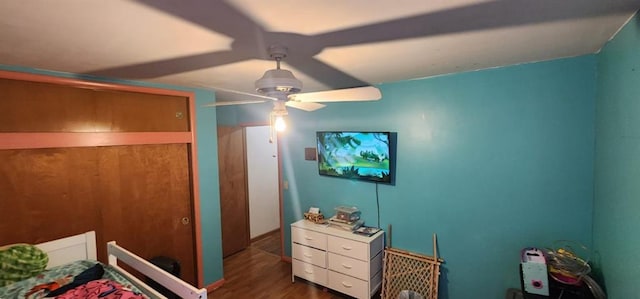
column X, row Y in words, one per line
column 492, row 161
column 244, row 114
column 207, row 148
column 617, row 163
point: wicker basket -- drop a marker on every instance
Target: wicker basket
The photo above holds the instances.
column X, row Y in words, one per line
column 408, row 271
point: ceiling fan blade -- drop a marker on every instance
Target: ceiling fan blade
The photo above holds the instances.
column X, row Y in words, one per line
column 306, row 106
column 226, row 97
column 354, row 94
column 223, row 94
column 229, row 103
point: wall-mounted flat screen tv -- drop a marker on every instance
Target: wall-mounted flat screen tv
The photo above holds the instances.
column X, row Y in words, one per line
column 367, row 156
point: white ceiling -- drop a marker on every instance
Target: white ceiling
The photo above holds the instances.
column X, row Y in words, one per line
column 332, row 43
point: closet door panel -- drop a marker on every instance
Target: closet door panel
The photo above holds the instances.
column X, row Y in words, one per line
column 119, row 111
column 42, row 107
column 45, row 107
column 47, row 194
column 145, row 194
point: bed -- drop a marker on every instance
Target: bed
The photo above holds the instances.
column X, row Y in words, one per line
column 77, row 254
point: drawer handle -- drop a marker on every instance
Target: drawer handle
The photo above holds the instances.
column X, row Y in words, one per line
column 346, row 284
column 345, row 247
column 308, row 255
column 347, row 266
column 308, row 271
column 308, row 238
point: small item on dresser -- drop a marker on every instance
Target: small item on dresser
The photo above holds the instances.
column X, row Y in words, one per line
column 314, row 216
column 366, row 231
column 347, row 214
column 348, row 226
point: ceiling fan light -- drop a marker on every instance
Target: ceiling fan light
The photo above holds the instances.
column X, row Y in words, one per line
column 278, row 80
column 279, row 124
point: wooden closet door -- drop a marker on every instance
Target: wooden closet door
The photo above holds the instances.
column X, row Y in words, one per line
column 146, row 201
column 234, row 203
column 135, row 195
column 47, row 194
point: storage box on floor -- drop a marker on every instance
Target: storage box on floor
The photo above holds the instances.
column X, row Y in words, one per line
column 169, row 265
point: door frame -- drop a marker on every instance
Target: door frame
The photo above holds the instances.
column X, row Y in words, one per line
column 280, row 189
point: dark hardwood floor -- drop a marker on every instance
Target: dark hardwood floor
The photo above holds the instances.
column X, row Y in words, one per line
column 269, row 242
column 254, row 273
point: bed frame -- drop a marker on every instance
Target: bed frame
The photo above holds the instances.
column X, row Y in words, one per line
column 69, row 249
column 83, row 246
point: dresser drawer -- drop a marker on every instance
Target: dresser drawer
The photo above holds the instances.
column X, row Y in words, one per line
column 349, row 266
column 309, row 238
column 309, row 272
column 310, row 255
column 375, row 283
column 349, row 248
column 348, row 285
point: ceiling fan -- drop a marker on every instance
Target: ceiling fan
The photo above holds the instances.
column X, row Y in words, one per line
column 284, row 89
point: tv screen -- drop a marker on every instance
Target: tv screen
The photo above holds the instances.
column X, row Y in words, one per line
column 364, row 156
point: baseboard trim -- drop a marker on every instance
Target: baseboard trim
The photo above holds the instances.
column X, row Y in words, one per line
column 214, row 286
column 265, row 235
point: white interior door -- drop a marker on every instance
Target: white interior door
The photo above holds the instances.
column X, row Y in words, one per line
column 262, row 169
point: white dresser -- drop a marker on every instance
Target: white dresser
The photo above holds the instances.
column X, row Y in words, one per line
column 337, row 259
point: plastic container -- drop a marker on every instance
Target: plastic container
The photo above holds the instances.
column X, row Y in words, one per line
column 347, row 214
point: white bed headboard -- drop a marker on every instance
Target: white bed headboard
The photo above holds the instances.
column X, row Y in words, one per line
column 69, row 249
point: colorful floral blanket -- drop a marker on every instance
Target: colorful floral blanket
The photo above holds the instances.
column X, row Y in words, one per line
column 32, row 288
